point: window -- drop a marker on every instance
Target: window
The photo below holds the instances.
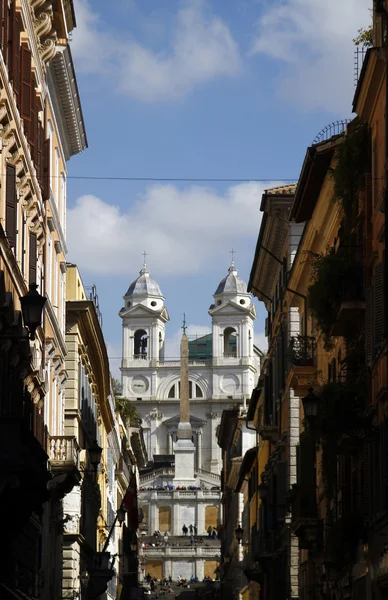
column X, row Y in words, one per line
column 56, row 182
column 141, row 340
column 11, row 205
column 32, row 258
column 63, row 202
column 230, row 342
column 194, row 390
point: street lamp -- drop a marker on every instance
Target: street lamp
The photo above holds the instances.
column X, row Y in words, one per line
column 121, row 515
column 84, row 579
column 239, row 533
column 32, row 307
column 310, row 406
column 95, row 453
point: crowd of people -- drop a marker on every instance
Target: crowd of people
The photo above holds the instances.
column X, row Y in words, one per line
column 192, row 529
column 169, row 487
column 163, row 539
column 165, row 586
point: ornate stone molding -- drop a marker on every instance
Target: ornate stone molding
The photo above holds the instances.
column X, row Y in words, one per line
column 48, row 48
column 71, row 525
column 156, row 415
column 43, row 23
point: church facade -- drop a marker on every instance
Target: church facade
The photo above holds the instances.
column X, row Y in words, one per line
column 222, row 369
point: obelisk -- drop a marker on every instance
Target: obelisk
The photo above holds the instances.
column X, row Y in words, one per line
column 184, row 448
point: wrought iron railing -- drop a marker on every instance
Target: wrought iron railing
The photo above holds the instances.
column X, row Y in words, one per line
column 334, row 128
column 140, row 356
column 359, row 57
column 302, row 351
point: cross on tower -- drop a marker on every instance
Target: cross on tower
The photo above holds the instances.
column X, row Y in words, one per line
column 232, row 252
column 145, row 256
column 184, row 326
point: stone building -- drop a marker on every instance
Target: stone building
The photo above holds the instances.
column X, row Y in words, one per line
column 222, row 371
column 41, row 127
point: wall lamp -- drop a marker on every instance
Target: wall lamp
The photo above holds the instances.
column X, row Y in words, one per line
column 310, row 406
column 120, row 517
column 95, row 454
column 32, row 305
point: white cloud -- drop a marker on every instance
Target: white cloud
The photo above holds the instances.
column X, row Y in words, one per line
column 201, row 48
column 182, row 229
column 314, row 41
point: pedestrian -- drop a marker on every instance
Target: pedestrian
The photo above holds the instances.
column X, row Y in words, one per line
column 192, row 540
column 209, row 530
column 184, row 530
column 195, row 530
column 191, row 530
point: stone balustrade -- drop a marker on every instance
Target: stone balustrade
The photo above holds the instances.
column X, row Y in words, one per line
column 64, row 452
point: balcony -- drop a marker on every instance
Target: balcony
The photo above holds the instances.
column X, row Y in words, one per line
column 180, row 551
column 304, row 512
column 269, row 433
column 266, row 551
column 64, row 455
column 352, row 307
column 140, row 356
column 302, row 363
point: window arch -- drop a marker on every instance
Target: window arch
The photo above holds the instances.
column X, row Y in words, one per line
column 194, row 390
column 141, row 342
column 230, row 342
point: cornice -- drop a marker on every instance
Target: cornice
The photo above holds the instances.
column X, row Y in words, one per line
column 66, row 100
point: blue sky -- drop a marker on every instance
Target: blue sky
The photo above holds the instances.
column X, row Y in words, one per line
column 195, row 89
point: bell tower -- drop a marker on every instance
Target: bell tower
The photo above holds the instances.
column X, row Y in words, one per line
column 232, row 316
column 144, row 316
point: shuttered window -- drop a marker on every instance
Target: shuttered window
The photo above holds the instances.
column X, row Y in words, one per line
column 368, row 233
column 32, row 258
column 4, row 28
column 26, row 97
column 378, row 307
column 11, row 205
column 14, row 50
column 46, row 169
column 369, row 326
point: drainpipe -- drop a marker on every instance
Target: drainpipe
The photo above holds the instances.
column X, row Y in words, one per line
column 385, row 266
column 281, row 262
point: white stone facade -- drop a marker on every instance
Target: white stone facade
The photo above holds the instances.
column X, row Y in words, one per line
column 220, row 376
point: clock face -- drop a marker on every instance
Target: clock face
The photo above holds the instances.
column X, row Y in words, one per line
column 230, row 384
column 139, row 385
